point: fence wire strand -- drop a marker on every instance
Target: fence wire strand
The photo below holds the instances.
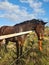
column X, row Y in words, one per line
column 20, row 56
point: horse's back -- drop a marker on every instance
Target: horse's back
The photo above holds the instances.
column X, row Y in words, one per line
column 4, row 30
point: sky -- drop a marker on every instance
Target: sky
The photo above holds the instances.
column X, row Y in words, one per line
column 17, row 11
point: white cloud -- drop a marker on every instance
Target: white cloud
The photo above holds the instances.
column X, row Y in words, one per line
column 8, row 6
column 10, row 9
column 3, row 0
column 14, row 12
column 35, row 5
column 26, row 1
column 46, row 19
column 46, row 0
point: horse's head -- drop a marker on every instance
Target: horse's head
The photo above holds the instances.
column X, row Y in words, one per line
column 38, row 26
column 39, row 29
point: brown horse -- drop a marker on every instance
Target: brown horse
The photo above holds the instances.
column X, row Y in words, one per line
column 34, row 24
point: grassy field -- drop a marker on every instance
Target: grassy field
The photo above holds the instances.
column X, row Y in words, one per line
column 33, row 55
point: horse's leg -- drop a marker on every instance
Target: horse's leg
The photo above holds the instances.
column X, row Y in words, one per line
column 21, row 46
column 0, row 44
column 0, row 50
column 0, row 47
column 21, row 42
column 17, row 52
column 40, row 45
column 21, row 49
column 6, row 43
column 17, row 46
column 40, row 42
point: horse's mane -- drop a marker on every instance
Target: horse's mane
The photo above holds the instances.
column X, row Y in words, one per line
column 22, row 23
column 35, row 21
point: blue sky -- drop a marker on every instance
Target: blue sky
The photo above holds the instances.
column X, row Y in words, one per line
column 16, row 11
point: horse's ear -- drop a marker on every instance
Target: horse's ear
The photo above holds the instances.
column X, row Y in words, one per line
column 45, row 23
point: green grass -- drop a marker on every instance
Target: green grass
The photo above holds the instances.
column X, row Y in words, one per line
column 33, row 56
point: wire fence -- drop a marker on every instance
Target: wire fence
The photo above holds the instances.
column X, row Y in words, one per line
column 36, row 59
column 20, row 56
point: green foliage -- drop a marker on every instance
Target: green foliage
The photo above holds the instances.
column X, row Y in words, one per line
column 7, row 57
column 33, row 55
